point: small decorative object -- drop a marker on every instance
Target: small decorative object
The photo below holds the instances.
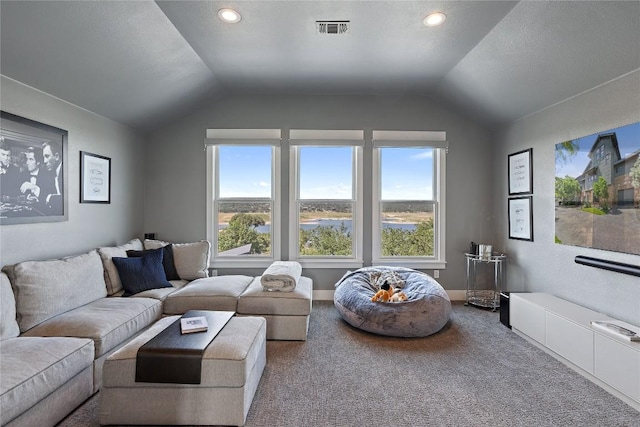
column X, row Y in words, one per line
column 485, row 252
column 193, row 324
column 473, row 248
column 33, row 171
column 521, row 172
column 95, row 178
column 521, row 218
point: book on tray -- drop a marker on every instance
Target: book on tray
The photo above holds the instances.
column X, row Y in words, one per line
column 193, row 324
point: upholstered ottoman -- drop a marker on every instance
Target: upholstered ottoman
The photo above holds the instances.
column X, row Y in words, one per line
column 287, row 313
column 232, row 366
column 211, row 293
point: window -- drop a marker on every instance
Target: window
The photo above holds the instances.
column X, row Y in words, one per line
column 408, row 198
column 325, row 201
column 326, row 205
column 242, row 196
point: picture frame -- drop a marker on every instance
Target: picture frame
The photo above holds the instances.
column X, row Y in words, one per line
column 95, row 178
column 597, row 190
column 34, row 167
column 520, row 172
column 521, row 218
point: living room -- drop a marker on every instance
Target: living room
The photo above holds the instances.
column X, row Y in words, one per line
column 158, row 167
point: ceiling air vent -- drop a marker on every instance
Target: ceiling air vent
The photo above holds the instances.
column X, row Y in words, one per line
column 332, row 27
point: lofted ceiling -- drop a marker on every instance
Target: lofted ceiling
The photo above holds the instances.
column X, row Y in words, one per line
column 142, row 63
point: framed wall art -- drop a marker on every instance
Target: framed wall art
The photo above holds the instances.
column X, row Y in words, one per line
column 597, row 190
column 520, row 167
column 521, row 218
column 33, row 171
column 95, row 178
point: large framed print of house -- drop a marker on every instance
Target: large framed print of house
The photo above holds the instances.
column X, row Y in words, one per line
column 597, row 190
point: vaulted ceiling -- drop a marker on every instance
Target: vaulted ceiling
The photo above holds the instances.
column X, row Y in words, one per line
column 142, row 63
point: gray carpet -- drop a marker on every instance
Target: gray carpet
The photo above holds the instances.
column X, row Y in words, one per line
column 475, row 372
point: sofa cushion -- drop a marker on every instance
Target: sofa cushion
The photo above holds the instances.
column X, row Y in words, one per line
column 8, row 323
column 108, row 321
column 161, row 293
column 45, row 289
column 34, row 367
column 111, row 277
column 167, row 260
column 212, row 293
column 142, row 273
column 191, row 259
column 256, row 301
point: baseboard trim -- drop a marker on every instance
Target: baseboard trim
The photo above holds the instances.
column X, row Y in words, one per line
column 327, row 295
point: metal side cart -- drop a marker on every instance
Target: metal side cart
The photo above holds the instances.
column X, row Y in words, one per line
column 487, row 296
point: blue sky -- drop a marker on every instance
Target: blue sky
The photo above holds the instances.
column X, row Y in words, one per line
column 245, row 171
column 628, row 142
column 407, row 174
column 326, row 173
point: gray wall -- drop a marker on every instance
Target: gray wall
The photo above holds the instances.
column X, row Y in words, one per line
column 542, row 265
column 89, row 225
column 175, row 194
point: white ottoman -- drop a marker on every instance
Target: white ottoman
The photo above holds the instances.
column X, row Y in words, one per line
column 287, row 313
column 232, row 366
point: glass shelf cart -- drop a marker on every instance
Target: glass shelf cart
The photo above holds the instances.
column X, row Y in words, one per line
column 486, row 298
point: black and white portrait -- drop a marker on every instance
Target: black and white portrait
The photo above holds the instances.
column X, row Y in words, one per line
column 32, row 171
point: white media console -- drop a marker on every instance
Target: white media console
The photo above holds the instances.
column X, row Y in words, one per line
column 563, row 329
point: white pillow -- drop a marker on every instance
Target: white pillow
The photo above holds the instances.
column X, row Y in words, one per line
column 191, row 259
column 111, row 277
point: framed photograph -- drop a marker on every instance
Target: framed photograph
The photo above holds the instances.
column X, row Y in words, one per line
column 95, row 178
column 521, row 172
column 597, row 190
column 33, row 171
column 521, row 218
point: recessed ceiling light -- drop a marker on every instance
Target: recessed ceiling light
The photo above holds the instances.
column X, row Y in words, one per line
column 229, row 15
column 433, row 19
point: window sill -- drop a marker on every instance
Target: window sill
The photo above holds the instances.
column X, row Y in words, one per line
column 330, row 263
column 412, row 263
column 240, row 263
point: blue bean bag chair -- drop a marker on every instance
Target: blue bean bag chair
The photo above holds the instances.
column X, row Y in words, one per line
column 425, row 312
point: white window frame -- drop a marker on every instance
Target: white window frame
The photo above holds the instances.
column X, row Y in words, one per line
column 326, row 138
column 416, row 139
column 255, row 137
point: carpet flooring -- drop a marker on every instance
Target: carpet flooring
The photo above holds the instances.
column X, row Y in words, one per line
column 474, row 372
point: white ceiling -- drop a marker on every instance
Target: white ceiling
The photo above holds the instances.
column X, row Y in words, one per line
column 143, row 62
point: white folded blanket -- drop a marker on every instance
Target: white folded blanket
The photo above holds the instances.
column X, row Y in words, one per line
column 281, row 276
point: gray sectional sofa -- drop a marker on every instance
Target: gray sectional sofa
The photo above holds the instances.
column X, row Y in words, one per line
column 61, row 319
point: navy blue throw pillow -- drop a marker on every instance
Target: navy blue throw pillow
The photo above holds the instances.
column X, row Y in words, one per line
column 167, row 261
column 142, row 273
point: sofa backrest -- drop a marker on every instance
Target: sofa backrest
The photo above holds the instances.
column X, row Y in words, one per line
column 8, row 324
column 44, row 289
column 111, row 277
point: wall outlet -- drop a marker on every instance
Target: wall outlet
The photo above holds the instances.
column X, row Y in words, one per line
column 436, row 274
